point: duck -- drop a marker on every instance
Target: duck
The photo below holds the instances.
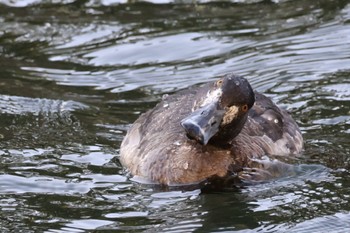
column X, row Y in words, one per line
column 209, row 132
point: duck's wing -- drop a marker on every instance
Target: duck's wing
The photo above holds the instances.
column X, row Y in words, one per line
column 271, row 128
column 155, row 132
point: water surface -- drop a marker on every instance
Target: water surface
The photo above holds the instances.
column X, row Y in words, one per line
column 75, row 74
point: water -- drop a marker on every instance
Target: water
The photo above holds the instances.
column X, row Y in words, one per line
column 75, row 74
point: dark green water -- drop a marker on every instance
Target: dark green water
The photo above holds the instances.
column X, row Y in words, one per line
column 75, row 74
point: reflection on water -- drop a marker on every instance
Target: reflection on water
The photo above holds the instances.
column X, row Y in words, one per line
column 75, row 74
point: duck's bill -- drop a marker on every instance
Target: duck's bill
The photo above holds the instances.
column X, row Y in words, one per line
column 203, row 123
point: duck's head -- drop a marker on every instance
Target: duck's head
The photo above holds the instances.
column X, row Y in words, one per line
column 220, row 111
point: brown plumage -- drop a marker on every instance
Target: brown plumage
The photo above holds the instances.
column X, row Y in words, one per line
column 209, row 132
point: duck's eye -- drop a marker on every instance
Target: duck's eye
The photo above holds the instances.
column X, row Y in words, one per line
column 219, row 83
column 245, row 108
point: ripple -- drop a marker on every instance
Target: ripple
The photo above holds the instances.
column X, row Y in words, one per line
column 32, row 120
column 23, row 105
column 91, row 34
column 333, row 121
column 19, row 3
column 331, row 223
column 17, row 184
column 340, row 91
column 303, row 173
column 127, row 215
column 145, row 64
column 84, row 224
column 97, row 158
column 163, row 49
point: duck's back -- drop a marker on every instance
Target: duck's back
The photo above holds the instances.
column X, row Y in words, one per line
column 269, row 130
column 156, row 146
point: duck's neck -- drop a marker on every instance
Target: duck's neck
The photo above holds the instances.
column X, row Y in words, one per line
column 228, row 132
